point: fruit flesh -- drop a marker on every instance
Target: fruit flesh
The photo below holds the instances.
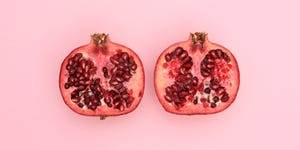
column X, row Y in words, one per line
column 99, row 52
column 167, row 72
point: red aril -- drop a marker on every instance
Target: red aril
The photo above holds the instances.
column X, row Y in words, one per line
column 196, row 77
column 102, row 78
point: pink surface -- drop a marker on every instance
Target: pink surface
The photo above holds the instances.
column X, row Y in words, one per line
column 263, row 35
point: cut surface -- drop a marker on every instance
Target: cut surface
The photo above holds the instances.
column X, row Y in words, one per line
column 102, row 78
column 196, row 77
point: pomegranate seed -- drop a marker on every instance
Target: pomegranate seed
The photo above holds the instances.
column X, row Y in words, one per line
column 114, row 61
column 195, row 81
column 125, row 96
column 178, row 51
column 168, row 57
column 183, row 55
column 168, row 98
column 67, row 85
column 119, row 79
column 226, row 58
column 74, row 94
column 80, row 105
column 113, row 82
column 134, row 66
column 225, row 97
column 183, row 94
column 187, row 59
column 205, row 72
column 71, row 61
column 213, row 105
column 216, row 99
column 207, row 90
column 219, row 53
column 93, row 107
column 97, row 81
column 187, row 65
column 81, row 87
column 195, row 101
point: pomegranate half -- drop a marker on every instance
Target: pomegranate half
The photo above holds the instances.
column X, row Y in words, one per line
column 196, row 77
column 102, row 78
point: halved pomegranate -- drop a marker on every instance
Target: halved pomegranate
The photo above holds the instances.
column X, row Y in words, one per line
column 196, row 77
column 102, row 78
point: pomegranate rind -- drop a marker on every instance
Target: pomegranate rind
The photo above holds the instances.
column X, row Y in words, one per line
column 162, row 79
column 136, row 84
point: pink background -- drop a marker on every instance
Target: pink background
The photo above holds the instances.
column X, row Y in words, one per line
column 263, row 35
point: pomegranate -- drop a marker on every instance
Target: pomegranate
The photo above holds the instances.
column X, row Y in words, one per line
column 102, row 78
column 196, row 77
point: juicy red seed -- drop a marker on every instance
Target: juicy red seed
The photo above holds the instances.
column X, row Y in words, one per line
column 183, row 70
column 183, row 55
column 225, row 97
column 81, row 87
column 192, row 91
column 67, row 85
column 97, row 81
column 72, row 71
column 128, row 104
column 74, row 94
column 92, row 70
column 120, row 106
column 125, row 56
column 168, row 57
column 168, row 90
column 183, row 100
column 210, row 65
column 226, row 58
column 219, row 53
column 195, row 101
column 120, row 79
column 105, row 72
column 80, row 105
column 68, row 67
column 126, row 76
column 113, row 82
column 114, row 61
column 187, row 65
column 203, row 100
column 125, row 96
column 118, row 86
column 220, row 90
column 109, row 105
column 86, row 101
column 216, row 99
column 168, row 98
column 174, row 88
column 93, row 107
column 195, row 81
column 207, row 90
column 188, row 87
column 209, row 56
column 78, row 55
column 95, row 102
column 107, row 100
column 183, row 94
column 214, row 81
column 71, row 61
column 187, row 59
column 213, row 105
column 123, row 89
column 134, row 66
column 178, row 51
column 205, row 72
column 92, row 97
